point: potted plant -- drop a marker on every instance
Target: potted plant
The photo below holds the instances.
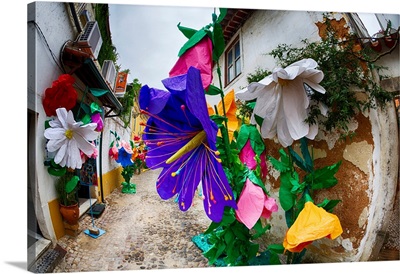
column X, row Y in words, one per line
column 390, row 35
column 67, row 187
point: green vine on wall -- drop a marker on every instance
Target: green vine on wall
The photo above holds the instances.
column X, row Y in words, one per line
column 348, row 68
column 128, row 101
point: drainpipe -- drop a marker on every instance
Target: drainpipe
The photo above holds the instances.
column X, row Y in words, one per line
column 101, row 166
column 75, row 17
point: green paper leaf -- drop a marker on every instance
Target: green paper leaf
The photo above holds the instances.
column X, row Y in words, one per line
column 47, row 124
column 306, row 154
column 241, row 232
column 286, row 197
column 243, row 136
column 94, row 107
column 219, row 120
column 260, row 230
column 213, row 90
column 86, row 119
column 229, row 236
column 222, row 14
column 187, row 32
column 324, row 177
column 258, row 119
column 193, row 40
column 98, row 92
column 328, row 205
column 278, row 165
column 218, row 41
column 298, row 160
column 256, row 141
column 277, row 248
column 251, row 104
column 71, row 184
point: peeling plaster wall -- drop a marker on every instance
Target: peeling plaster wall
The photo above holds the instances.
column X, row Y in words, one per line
column 367, row 178
column 367, row 181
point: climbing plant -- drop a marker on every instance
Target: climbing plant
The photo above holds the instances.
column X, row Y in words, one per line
column 128, row 101
column 348, row 68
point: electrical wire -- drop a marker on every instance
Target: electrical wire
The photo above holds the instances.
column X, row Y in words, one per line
column 47, row 45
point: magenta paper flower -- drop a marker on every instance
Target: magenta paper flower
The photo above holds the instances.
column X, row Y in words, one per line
column 96, row 118
column 198, row 56
column 181, row 139
column 253, row 203
column 247, row 157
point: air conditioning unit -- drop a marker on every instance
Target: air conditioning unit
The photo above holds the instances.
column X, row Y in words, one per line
column 109, row 73
column 90, row 40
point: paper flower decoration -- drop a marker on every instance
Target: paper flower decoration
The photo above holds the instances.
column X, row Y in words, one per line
column 124, row 154
column 283, row 103
column 312, row 223
column 198, row 56
column 247, row 157
column 230, row 108
column 61, row 95
column 96, row 118
column 250, row 144
column 67, row 138
column 113, row 152
column 181, row 139
column 253, row 203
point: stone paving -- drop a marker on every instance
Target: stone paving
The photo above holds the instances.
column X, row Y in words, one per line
column 142, row 231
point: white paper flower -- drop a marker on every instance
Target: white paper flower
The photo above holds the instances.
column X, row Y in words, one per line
column 67, row 138
column 283, row 103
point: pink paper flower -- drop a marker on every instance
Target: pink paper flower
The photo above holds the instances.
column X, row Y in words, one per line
column 253, row 203
column 246, row 156
column 200, row 57
column 113, row 152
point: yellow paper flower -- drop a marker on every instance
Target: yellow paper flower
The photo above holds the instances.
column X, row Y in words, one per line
column 313, row 223
column 230, row 108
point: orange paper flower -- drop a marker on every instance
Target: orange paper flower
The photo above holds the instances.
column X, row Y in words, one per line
column 230, row 108
column 313, row 223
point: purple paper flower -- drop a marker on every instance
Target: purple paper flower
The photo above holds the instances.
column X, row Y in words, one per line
column 179, row 121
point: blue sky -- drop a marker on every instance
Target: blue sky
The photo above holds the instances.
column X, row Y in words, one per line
column 148, row 40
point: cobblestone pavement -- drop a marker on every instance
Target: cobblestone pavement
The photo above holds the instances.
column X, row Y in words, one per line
column 142, row 231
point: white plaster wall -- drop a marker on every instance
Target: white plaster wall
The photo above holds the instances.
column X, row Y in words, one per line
column 262, row 33
column 54, row 22
column 115, row 124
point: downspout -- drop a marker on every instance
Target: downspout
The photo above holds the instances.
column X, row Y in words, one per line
column 75, row 17
column 101, row 166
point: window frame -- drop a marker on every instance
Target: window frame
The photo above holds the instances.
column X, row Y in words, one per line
column 235, row 59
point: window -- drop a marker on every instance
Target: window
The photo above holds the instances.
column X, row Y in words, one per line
column 233, row 63
column 374, row 23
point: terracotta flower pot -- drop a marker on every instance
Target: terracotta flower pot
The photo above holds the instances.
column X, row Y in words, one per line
column 70, row 213
column 390, row 40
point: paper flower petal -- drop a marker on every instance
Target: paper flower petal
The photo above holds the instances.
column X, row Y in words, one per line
column 246, row 156
column 250, row 204
column 198, row 56
column 312, row 223
column 282, row 101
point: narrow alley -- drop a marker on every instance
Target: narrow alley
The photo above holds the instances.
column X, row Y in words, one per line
column 142, row 231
